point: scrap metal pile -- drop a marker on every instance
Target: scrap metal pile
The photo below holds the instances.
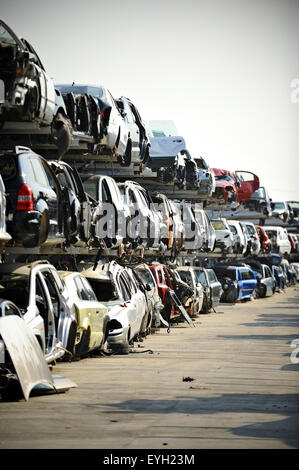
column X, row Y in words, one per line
column 110, row 229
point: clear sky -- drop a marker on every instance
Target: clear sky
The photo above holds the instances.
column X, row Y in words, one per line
column 222, row 70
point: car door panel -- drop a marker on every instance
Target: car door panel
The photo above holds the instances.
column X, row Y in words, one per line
column 249, row 182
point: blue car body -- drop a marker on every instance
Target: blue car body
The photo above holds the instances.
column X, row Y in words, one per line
column 238, row 282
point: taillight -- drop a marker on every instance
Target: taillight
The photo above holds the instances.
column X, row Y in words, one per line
column 25, row 201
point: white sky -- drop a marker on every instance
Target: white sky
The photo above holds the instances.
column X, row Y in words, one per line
column 220, row 69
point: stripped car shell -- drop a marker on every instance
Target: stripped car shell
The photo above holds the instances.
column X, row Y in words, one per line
column 90, row 313
column 244, row 281
column 206, row 178
column 111, row 216
column 78, row 206
column 44, row 302
column 188, row 275
column 145, row 223
column 146, row 275
column 138, row 139
column 113, row 136
column 115, row 288
column 212, row 287
column 224, row 236
column 240, row 240
column 265, row 278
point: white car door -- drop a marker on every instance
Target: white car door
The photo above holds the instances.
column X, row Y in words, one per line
column 134, row 132
column 132, row 308
column 118, row 125
column 137, row 297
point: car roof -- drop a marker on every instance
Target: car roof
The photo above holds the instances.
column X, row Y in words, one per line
column 101, row 273
column 21, row 268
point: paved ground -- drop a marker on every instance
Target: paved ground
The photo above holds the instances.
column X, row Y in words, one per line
column 244, row 393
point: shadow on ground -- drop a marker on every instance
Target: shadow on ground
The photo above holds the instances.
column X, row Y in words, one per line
column 285, row 429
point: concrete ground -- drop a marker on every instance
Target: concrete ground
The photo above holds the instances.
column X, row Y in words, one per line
column 244, row 392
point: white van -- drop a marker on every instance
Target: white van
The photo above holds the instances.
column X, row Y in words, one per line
column 279, row 238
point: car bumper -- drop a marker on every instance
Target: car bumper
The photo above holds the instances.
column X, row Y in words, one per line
column 118, row 337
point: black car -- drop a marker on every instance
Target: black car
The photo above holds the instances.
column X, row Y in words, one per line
column 34, row 202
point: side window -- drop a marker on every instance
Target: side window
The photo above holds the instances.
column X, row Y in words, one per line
column 106, row 196
column 114, row 191
column 131, row 283
column 212, row 275
column 55, row 279
column 51, row 181
column 129, row 116
column 202, row 278
column 124, row 289
column 186, row 276
column 81, row 292
column 88, row 289
column 39, row 173
column 267, row 271
column 132, row 196
column 52, row 288
column 11, row 310
column 246, row 275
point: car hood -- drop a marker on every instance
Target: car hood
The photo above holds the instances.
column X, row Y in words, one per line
column 22, row 345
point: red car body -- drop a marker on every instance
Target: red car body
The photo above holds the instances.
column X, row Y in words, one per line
column 235, row 186
column 293, row 243
column 264, row 239
column 225, row 185
column 165, row 280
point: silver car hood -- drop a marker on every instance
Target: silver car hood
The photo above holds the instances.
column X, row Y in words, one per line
column 26, row 354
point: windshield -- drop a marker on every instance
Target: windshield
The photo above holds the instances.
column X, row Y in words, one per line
column 5, row 36
column 223, row 273
column 294, row 205
column 222, row 178
column 103, row 290
column 201, row 277
column 278, row 205
column 91, row 187
column 95, row 91
column 259, row 194
column 16, row 289
column 218, row 225
column 162, row 128
column 145, row 276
